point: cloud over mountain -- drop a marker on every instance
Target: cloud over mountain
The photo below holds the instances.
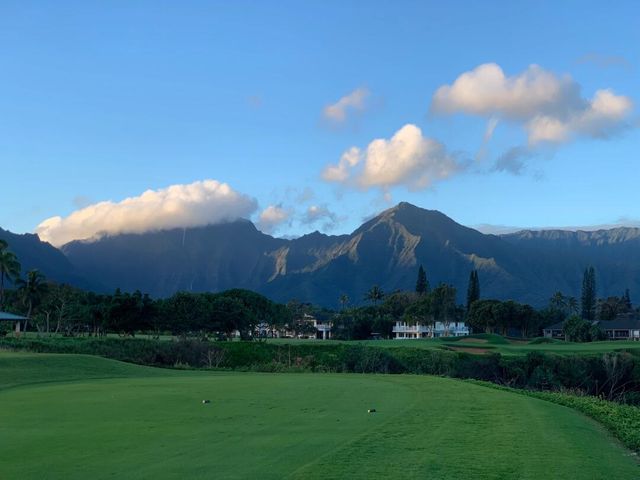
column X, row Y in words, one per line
column 321, row 213
column 406, row 159
column 272, row 217
column 177, row 206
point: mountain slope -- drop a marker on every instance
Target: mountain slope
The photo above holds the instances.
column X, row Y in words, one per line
column 208, row 258
column 33, row 253
column 527, row 266
column 561, row 256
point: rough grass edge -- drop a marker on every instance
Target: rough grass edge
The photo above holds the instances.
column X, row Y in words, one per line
column 622, row 421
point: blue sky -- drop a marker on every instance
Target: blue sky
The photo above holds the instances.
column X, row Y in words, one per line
column 101, row 101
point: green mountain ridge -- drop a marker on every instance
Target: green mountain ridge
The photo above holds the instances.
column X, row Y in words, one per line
column 527, row 266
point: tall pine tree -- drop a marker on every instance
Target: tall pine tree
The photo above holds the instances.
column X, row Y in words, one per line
column 422, row 284
column 626, row 299
column 473, row 290
column 589, row 294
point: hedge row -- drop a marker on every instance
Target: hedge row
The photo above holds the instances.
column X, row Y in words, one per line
column 612, row 375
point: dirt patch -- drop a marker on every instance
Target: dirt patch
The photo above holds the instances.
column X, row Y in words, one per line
column 518, row 342
column 477, row 351
column 473, row 340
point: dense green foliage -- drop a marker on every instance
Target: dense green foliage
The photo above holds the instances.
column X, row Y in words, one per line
column 149, row 423
column 612, row 375
column 493, row 316
column 577, row 329
column 9, row 268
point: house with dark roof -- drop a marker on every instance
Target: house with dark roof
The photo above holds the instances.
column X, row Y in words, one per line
column 624, row 327
column 10, row 317
column 554, row 331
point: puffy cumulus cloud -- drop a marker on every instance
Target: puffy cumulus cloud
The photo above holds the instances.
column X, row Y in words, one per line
column 550, row 107
column 320, row 213
column 486, row 90
column 340, row 172
column 355, row 101
column 178, row 206
column 407, row 158
column 602, row 116
column 272, row 217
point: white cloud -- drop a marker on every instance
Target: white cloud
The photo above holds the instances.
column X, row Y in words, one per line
column 178, row 206
column 272, row 217
column 603, row 115
column 550, row 107
column 407, row 158
column 321, row 213
column 486, row 91
column 340, row 171
column 355, row 101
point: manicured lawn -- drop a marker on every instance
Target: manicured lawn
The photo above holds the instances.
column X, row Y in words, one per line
column 61, row 417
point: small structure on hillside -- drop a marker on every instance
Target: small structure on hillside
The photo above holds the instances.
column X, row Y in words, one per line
column 10, row 317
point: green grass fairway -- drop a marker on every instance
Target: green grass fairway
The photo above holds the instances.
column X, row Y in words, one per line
column 66, row 417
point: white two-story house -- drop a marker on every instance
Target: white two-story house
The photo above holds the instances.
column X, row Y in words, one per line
column 404, row 330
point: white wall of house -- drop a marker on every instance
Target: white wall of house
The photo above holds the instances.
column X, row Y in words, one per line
column 405, row 330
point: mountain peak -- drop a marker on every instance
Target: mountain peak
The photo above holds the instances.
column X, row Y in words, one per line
column 406, row 206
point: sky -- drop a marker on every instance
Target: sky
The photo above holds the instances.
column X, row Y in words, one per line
column 302, row 116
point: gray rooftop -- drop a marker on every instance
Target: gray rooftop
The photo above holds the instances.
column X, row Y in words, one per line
column 10, row 317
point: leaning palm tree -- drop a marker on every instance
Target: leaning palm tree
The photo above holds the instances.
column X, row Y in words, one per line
column 9, row 268
column 31, row 291
column 374, row 295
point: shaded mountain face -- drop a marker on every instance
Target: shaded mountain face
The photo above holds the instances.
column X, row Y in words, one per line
column 559, row 257
column 387, row 250
column 33, row 253
column 211, row 258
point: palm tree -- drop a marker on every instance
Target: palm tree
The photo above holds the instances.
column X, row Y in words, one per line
column 344, row 300
column 374, row 295
column 9, row 268
column 31, row 291
column 558, row 301
column 572, row 305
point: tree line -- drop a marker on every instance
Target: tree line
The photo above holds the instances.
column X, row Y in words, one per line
column 62, row 309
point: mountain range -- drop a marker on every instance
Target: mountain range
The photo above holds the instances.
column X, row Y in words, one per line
column 528, row 266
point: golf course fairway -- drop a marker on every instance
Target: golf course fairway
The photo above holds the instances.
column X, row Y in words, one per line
column 72, row 416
